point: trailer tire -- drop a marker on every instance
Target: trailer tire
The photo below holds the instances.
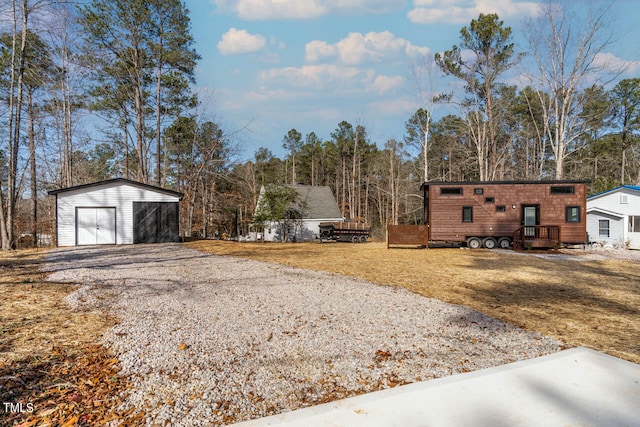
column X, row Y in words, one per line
column 489, row 243
column 355, row 239
column 504, row 243
column 474, row 243
column 363, row 239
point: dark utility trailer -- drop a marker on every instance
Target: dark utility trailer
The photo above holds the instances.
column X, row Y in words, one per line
column 355, row 232
column 525, row 214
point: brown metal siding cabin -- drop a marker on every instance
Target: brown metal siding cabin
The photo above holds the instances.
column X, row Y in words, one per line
column 492, row 211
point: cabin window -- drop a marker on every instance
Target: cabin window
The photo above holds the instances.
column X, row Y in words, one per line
column 451, row 191
column 478, row 191
column 573, row 213
column 634, row 224
column 563, row 189
column 467, row 214
column 501, row 208
column 603, row 228
column 489, row 199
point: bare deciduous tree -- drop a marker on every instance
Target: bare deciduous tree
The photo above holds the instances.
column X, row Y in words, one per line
column 568, row 46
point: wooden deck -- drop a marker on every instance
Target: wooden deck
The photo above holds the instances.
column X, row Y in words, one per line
column 536, row 236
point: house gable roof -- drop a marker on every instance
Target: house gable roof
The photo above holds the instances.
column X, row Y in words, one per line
column 319, row 202
column 605, row 212
column 117, row 181
column 632, row 188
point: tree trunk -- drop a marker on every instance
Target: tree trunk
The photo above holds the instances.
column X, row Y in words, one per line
column 33, row 169
column 4, row 236
column 158, row 116
column 5, row 216
column 12, row 190
column 142, row 153
column 140, row 106
column 425, row 152
column 67, row 174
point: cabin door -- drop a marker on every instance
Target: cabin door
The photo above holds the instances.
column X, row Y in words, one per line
column 530, row 218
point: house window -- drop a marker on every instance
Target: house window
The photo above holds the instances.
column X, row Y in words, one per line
column 624, row 199
column 563, row 189
column 467, row 214
column 634, row 224
column 451, row 191
column 573, row 213
column 603, row 228
column 489, row 199
column 478, row 191
column 501, row 208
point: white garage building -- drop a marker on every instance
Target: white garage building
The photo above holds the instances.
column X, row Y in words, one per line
column 116, row 211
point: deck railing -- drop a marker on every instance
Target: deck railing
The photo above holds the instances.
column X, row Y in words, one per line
column 536, row 236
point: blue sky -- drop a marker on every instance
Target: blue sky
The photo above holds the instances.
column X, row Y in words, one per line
column 271, row 65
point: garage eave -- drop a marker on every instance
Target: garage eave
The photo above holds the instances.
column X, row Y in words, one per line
column 118, row 181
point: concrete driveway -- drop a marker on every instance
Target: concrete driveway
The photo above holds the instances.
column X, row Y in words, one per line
column 576, row 387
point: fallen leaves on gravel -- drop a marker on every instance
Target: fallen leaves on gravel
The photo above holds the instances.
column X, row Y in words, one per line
column 66, row 389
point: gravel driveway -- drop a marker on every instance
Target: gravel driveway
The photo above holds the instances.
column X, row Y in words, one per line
column 214, row 340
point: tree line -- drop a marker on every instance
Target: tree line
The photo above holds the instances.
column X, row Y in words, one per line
column 126, row 68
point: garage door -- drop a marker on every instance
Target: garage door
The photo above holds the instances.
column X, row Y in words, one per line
column 96, row 226
column 155, row 222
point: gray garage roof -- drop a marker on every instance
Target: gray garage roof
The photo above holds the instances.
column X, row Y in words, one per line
column 320, row 203
column 117, row 181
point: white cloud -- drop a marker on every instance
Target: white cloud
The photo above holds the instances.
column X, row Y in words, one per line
column 317, row 50
column 463, row 11
column 304, row 9
column 329, row 78
column 611, row 63
column 318, row 77
column 395, row 106
column 384, row 84
column 237, row 41
column 359, row 48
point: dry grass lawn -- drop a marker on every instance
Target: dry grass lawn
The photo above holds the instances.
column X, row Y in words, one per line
column 595, row 304
column 48, row 354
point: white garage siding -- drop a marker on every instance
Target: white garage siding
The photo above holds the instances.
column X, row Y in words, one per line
column 118, row 194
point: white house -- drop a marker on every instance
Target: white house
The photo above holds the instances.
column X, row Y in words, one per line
column 613, row 217
column 116, row 211
column 316, row 204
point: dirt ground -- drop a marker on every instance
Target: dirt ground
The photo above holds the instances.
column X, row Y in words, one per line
column 51, row 369
column 574, row 297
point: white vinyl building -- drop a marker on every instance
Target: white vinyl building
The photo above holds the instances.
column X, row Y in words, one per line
column 315, row 204
column 116, row 211
column 613, row 217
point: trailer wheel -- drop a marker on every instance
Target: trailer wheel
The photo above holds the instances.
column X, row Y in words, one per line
column 474, row 242
column 355, row 239
column 363, row 239
column 504, row 243
column 489, row 243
